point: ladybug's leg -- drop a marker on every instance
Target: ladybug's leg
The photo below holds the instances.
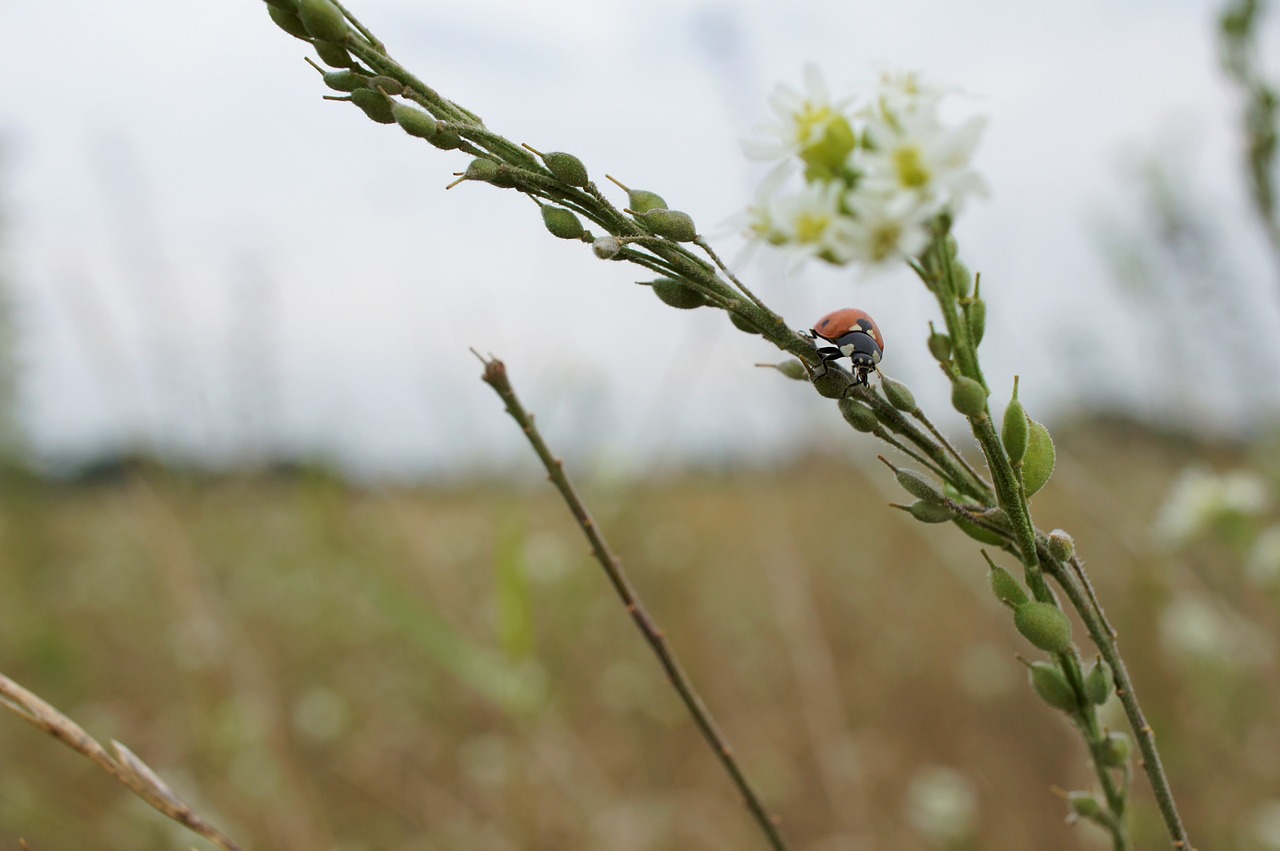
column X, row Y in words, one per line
column 828, row 354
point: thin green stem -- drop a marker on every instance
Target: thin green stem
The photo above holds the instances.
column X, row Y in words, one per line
column 495, row 375
column 1104, row 636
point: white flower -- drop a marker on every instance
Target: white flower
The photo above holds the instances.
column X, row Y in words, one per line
column 942, row 804
column 900, row 93
column 886, row 226
column 810, row 223
column 1263, row 565
column 1200, row 498
column 918, row 154
column 802, row 118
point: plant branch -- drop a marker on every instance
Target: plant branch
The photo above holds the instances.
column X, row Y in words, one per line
column 125, row 767
column 495, row 375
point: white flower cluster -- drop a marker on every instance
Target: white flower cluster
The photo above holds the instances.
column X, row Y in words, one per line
column 876, row 173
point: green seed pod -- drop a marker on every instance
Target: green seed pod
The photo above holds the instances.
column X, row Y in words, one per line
column 919, row 486
column 670, row 224
column 859, row 415
column 1097, row 683
column 930, row 512
column 939, row 345
column 643, row 201
column 333, row 55
column 898, row 394
column 289, row 22
column 996, row 517
column 791, row 369
column 968, row 397
column 373, row 105
column 1083, row 804
column 1007, row 589
column 1016, row 430
column 678, row 295
column 1061, row 545
column 566, row 168
column 446, row 138
column 1052, row 686
column 414, row 121
column 346, row 81
column 1044, row 625
column 978, row 533
column 323, row 20
column 390, row 85
column 606, row 247
column 1115, row 750
column 743, row 324
column 976, row 313
column 1037, row 465
column 562, row 223
column 961, row 281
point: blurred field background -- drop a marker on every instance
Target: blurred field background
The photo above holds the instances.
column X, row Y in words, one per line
column 323, row 665
column 260, row 521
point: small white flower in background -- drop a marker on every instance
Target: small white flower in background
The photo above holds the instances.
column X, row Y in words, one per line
column 1200, row 498
column 802, row 118
column 941, row 804
column 1263, row 564
column 1196, row 626
column 1265, row 825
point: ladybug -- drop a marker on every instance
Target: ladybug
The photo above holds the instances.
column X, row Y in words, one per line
column 853, row 334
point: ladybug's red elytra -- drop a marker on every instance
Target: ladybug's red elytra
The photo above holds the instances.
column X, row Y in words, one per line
column 853, row 334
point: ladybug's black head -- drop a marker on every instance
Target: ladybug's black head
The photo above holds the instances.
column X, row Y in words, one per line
column 861, row 349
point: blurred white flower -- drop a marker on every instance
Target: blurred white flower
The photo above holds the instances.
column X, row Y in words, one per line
column 810, row 223
column 802, row 118
column 1200, row 498
column 1193, row 625
column 886, row 226
column 875, row 178
column 1265, row 825
column 900, row 93
column 919, row 154
column 1263, row 564
column 941, row 804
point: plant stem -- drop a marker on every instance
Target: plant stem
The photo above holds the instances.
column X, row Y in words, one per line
column 1103, row 635
column 125, row 767
column 495, row 375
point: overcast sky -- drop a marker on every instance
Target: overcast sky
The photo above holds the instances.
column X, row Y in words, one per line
column 204, row 255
